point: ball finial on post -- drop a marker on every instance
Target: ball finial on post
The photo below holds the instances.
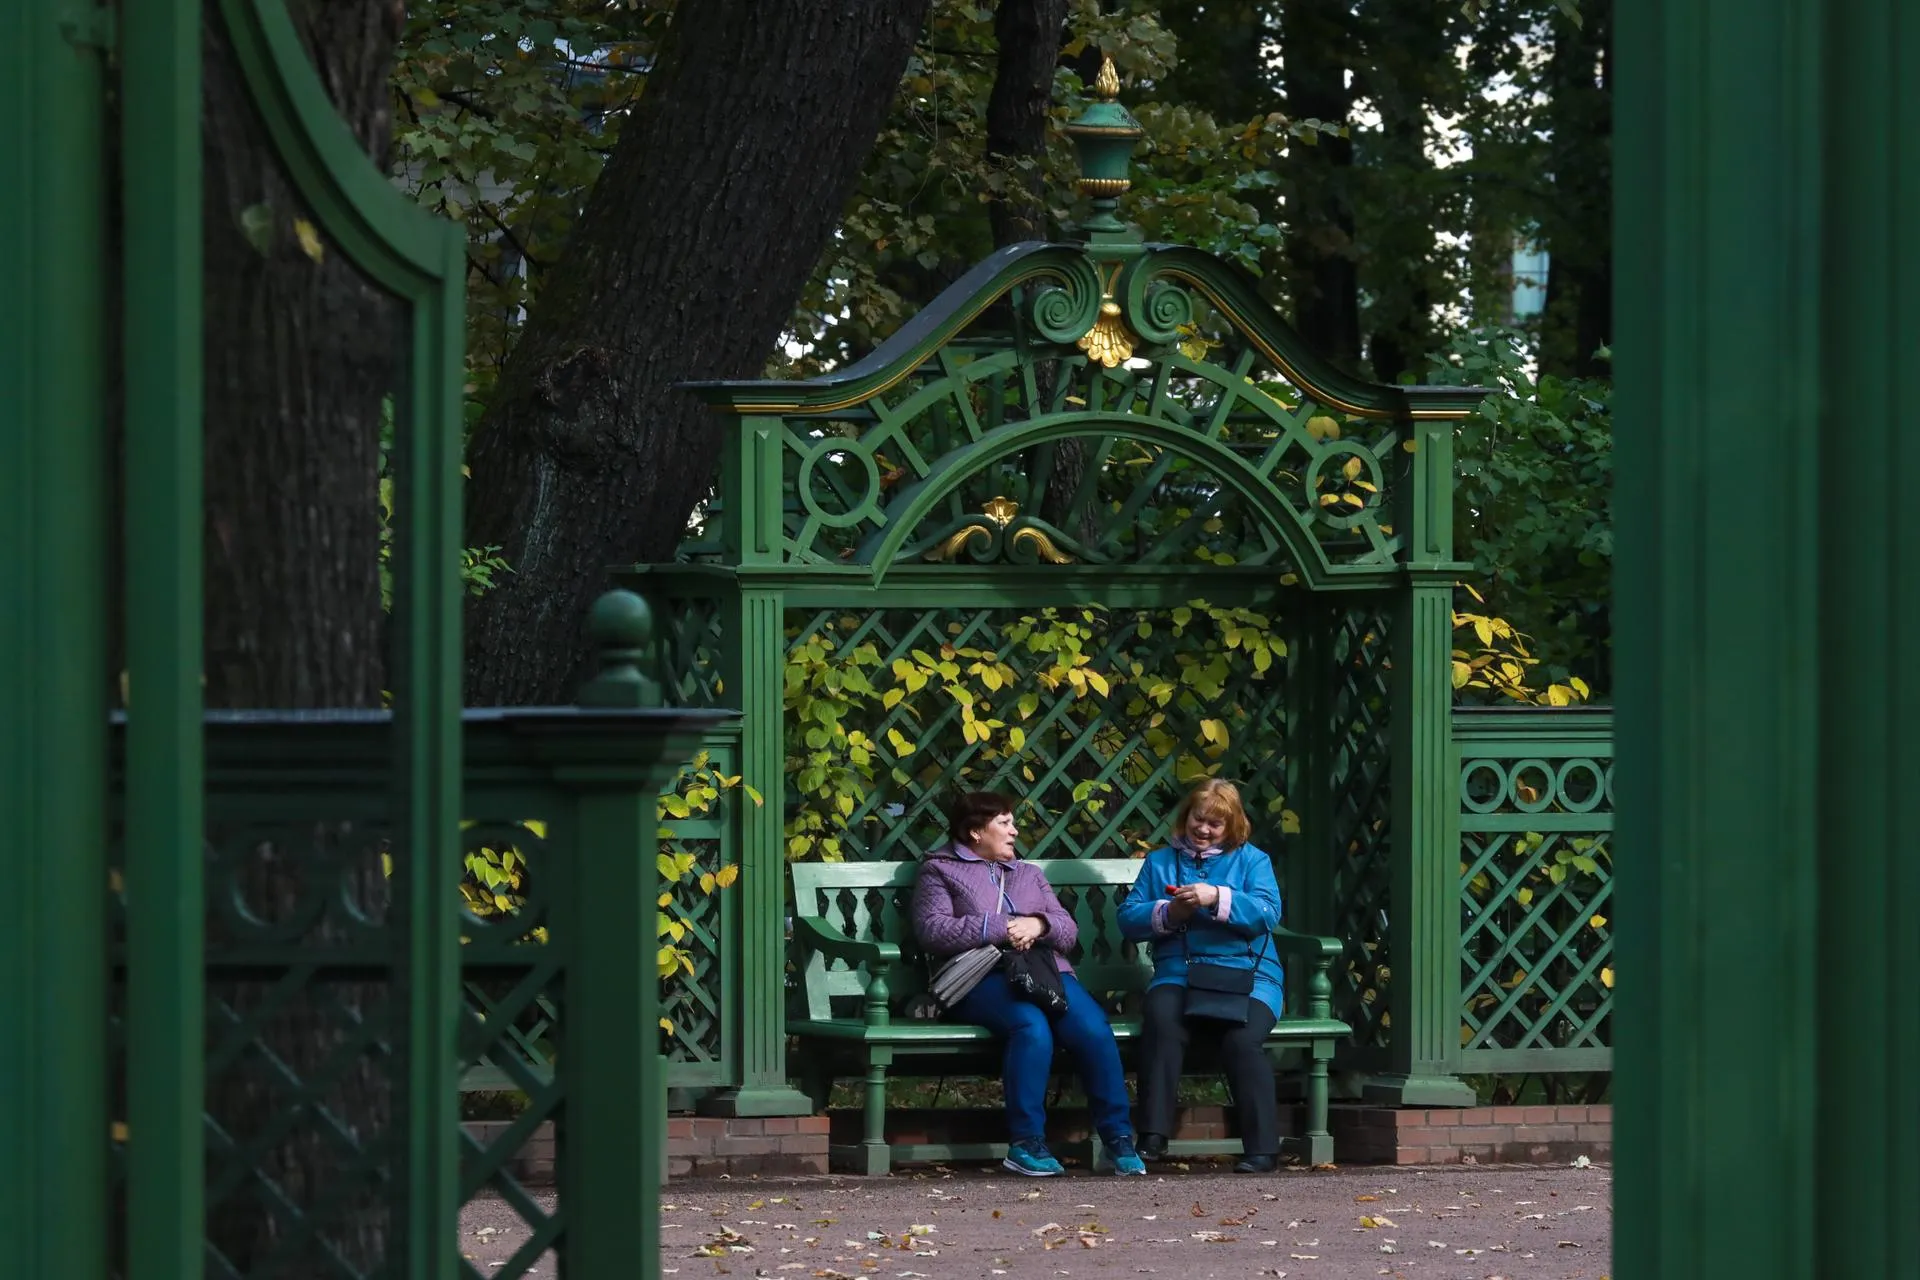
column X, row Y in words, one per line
column 620, row 626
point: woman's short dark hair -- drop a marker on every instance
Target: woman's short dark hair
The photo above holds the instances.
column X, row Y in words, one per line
column 972, row 810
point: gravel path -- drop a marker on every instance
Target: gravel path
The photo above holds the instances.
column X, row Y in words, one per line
column 1444, row 1223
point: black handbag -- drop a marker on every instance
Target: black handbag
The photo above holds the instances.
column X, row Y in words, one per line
column 1035, row 978
column 1217, row 992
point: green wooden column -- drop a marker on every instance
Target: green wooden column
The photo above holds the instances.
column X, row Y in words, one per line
column 615, row 1133
column 1424, row 834
column 164, row 804
column 753, row 622
column 1767, row 618
column 53, row 654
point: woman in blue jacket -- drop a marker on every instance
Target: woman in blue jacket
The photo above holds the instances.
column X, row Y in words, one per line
column 1208, row 904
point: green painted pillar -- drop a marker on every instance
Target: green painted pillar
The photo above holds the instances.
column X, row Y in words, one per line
column 54, row 680
column 753, row 666
column 1424, row 847
column 1766, row 620
column 164, row 802
column 615, row 1135
column 1423, row 999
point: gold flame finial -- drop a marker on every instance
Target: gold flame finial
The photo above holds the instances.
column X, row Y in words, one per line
column 1107, row 83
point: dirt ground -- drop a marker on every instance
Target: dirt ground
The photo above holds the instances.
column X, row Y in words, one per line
column 1453, row 1222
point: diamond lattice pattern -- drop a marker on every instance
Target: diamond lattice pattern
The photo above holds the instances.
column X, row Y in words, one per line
column 1362, row 768
column 1536, row 884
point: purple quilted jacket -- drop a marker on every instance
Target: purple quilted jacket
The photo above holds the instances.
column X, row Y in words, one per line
column 957, row 904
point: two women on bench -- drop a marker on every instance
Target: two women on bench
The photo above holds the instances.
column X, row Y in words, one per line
column 1206, row 904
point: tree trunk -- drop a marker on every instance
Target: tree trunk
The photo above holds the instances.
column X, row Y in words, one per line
column 720, row 194
column 1410, row 72
column 299, row 354
column 1577, row 222
column 1316, row 42
column 1028, row 32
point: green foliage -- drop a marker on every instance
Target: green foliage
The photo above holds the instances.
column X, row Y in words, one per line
column 919, row 216
column 504, row 113
column 971, row 711
column 1533, row 508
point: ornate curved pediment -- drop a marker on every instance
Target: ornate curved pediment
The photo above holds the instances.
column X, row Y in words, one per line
column 1119, row 404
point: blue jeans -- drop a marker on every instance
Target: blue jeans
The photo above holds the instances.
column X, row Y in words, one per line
column 1030, row 1036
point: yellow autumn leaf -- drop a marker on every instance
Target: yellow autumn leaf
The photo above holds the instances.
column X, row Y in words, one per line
column 1352, row 469
column 1558, row 695
column 1289, row 822
column 1524, row 897
column 1598, row 922
column 1461, row 674
column 309, row 237
column 727, row 875
column 666, row 1025
column 1321, row 427
column 706, row 882
column 1606, row 977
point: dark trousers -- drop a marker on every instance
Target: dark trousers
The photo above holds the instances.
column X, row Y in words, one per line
column 1165, row 1034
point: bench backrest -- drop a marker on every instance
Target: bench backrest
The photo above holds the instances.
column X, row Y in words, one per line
column 872, row 901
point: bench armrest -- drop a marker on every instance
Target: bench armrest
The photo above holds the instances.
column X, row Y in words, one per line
column 1320, row 953
column 817, row 935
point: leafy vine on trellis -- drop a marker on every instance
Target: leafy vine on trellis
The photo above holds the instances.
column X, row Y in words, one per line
column 494, row 880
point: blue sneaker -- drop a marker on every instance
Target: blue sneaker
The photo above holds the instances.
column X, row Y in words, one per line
column 1126, row 1161
column 1030, row 1157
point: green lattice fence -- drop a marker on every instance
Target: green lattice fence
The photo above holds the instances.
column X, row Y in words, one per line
column 523, row 1032
column 1536, row 890
column 1361, row 771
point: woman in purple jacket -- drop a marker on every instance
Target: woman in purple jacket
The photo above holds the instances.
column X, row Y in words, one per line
column 975, row 890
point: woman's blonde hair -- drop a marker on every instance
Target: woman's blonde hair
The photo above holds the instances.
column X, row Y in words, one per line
column 1216, row 798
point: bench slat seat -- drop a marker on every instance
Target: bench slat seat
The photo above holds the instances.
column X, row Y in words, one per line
column 858, row 965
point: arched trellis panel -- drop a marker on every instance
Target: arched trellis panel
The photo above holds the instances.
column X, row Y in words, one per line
column 1119, row 429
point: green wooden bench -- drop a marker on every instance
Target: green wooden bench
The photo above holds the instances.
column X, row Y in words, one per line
column 858, row 964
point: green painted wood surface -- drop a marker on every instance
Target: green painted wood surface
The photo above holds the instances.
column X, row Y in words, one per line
column 1535, row 889
column 53, row 654
column 160, row 158
column 1765, row 624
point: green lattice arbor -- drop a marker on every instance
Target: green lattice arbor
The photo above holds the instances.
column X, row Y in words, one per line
column 1094, row 522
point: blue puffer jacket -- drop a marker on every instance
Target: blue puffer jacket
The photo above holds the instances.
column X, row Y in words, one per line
column 1250, row 902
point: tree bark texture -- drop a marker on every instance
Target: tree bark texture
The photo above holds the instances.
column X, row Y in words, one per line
column 1028, row 33
column 722, row 190
column 300, row 352
column 1317, row 44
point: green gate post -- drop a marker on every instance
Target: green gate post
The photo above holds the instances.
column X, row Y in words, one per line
column 163, row 824
column 1423, row 832
column 753, row 675
column 53, row 694
column 615, row 1125
column 1767, row 618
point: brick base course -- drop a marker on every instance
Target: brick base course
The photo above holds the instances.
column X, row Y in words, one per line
column 706, row 1146
column 697, row 1146
column 1482, row 1135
